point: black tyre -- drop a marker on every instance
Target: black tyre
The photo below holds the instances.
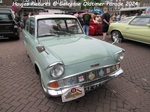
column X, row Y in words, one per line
column 116, row 35
column 27, row 54
column 17, row 38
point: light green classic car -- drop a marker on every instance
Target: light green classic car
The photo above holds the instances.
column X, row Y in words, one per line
column 132, row 28
column 68, row 62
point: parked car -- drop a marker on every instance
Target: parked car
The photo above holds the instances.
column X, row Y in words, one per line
column 68, row 62
column 136, row 28
column 95, row 28
column 8, row 25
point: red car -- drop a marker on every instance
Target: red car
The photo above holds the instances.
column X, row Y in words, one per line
column 95, row 28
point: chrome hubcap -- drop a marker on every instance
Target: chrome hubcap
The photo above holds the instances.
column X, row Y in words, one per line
column 115, row 35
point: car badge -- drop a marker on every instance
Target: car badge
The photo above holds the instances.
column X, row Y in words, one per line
column 91, row 76
column 71, row 81
column 108, row 70
column 101, row 72
column 81, row 78
column 113, row 68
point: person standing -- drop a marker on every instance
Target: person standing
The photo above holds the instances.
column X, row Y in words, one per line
column 30, row 14
column 18, row 21
column 25, row 19
column 86, row 21
column 143, row 13
column 105, row 22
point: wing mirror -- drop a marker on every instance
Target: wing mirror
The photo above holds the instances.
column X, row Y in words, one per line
column 40, row 48
column 116, row 40
column 148, row 25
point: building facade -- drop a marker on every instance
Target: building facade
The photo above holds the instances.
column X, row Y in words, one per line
column 35, row 6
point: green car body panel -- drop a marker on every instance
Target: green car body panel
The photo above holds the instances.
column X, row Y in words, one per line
column 76, row 52
column 139, row 33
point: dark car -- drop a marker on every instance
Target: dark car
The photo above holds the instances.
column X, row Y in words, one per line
column 8, row 25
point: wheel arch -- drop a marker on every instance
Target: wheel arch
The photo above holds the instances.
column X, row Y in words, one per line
column 37, row 69
column 118, row 31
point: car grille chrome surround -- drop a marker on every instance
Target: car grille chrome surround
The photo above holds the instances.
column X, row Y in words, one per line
column 88, row 77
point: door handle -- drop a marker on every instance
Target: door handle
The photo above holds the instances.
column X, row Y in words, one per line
column 128, row 28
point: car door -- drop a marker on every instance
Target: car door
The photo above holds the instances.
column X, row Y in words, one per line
column 138, row 30
column 29, row 38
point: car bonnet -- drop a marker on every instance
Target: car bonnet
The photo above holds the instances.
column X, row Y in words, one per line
column 76, row 50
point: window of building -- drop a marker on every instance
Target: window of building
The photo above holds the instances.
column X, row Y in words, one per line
column 38, row 1
column 1, row 1
column 26, row 0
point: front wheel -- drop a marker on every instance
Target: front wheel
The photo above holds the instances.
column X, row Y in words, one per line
column 116, row 35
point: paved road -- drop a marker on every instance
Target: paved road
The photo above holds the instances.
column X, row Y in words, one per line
column 20, row 89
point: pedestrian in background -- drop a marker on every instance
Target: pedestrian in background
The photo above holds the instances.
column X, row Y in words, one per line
column 25, row 19
column 118, row 17
column 105, row 22
column 143, row 13
column 86, row 21
column 18, row 20
column 17, row 17
column 30, row 14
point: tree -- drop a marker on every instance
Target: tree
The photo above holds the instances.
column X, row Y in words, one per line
column 138, row 0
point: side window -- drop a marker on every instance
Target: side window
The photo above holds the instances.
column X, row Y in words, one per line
column 32, row 28
column 140, row 21
column 27, row 25
column 125, row 20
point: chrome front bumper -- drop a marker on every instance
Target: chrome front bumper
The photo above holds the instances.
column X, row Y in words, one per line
column 59, row 92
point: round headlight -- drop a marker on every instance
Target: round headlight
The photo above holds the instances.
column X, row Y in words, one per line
column 56, row 70
column 120, row 55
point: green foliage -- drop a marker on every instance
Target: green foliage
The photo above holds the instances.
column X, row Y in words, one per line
column 138, row 0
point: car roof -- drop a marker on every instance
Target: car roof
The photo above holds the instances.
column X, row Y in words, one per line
column 143, row 16
column 52, row 16
column 5, row 10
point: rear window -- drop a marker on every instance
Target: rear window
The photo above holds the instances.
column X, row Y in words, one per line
column 5, row 17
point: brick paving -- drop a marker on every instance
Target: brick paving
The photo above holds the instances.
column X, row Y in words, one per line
column 20, row 89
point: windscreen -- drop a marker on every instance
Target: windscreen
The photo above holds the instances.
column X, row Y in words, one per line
column 5, row 17
column 58, row 26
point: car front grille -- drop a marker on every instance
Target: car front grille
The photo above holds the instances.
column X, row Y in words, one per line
column 87, row 76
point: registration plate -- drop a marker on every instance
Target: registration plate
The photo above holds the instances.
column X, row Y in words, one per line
column 92, row 87
column 73, row 93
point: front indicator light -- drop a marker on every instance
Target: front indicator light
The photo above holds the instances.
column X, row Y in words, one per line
column 118, row 66
column 53, row 84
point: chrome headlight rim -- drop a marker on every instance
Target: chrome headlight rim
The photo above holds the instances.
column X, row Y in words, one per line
column 56, row 66
column 120, row 55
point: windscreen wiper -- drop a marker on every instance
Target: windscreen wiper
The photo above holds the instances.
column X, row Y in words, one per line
column 61, row 32
column 48, row 34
